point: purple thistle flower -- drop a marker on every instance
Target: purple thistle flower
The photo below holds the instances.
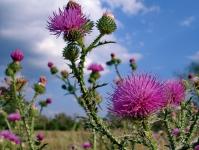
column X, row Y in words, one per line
column 8, row 135
column 196, row 147
column 17, row 55
column 86, row 145
column 66, row 21
column 40, row 137
column 50, row 64
column 176, row 132
column 174, row 92
column 14, row 117
column 95, row 68
column 73, row 5
column 48, row 101
column 137, row 96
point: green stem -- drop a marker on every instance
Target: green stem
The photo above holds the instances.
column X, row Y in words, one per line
column 20, row 107
column 94, row 140
column 168, row 131
column 117, row 71
column 149, row 135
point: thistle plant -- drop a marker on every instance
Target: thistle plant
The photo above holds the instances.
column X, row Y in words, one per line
column 19, row 114
column 139, row 99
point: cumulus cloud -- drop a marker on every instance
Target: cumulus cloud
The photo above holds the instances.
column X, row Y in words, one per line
column 29, row 25
column 187, row 21
column 131, row 6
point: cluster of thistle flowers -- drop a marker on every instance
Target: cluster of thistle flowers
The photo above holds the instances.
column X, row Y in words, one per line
column 19, row 114
column 139, row 97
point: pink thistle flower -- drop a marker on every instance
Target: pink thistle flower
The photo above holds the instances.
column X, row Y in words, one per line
column 174, row 92
column 17, row 55
column 40, row 137
column 86, row 145
column 42, row 81
column 8, row 135
column 95, row 68
column 196, row 147
column 48, row 101
column 67, row 20
column 137, row 96
column 176, row 132
column 50, row 64
column 73, row 5
column 14, row 117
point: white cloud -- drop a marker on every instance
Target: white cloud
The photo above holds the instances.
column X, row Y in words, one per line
column 131, row 6
column 30, row 26
column 187, row 21
column 195, row 57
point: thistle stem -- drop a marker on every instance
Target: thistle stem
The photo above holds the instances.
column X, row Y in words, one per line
column 117, row 71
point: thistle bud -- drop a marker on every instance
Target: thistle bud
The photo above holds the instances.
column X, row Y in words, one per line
column 73, row 5
column 17, row 55
column 71, row 52
column 64, row 74
column 9, row 72
column 106, row 24
column 50, row 65
column 53, row 70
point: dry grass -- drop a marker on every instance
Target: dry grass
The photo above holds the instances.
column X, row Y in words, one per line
column 61, row 140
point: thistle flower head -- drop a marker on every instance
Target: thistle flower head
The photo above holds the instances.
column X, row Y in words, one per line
column 73, row 5
column 174, row 92
column 137, row 96
column 14, row 117
column 42, row 81
column 95, row 67
column 17, row 55
column 86, row 145
column 196, row 147
column 48, row 101
column 8, row 135
column 176, row 132
column 70, row 21
column 50, row 64
column 40, row 136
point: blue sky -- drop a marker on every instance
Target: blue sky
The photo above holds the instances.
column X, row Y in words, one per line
column 161, row 35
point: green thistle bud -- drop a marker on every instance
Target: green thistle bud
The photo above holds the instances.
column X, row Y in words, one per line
column 133, row 66
column 73, row 35
column 9, row 72
column 39, row 88
column 71, row 52
column 106, row 24
column 93, row 77
column 15, row 66
column 43, row 103
column 53, row 70
column 71, row 89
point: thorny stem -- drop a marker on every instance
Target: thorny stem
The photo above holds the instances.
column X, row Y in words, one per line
column 85, row 102
column 26, row 126
column 149, row 135
column 168, row 131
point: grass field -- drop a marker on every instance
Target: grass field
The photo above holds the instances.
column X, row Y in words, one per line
column 59, row 140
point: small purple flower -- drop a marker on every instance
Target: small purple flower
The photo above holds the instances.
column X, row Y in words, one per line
column 8, row 135
column 48, row 101
column 17, row 55
column 176, row 132
column 196, row 147
column 86, row 145
column 50, row 64
column 95, row 68
column 40, row 137
column 137, row 96
column 14, row 117
column 66, row 21
column 73, row 5
column 174, row 92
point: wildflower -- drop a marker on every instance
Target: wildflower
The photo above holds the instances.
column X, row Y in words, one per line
column 174, row 92
column 50, row 65
column 40, row 137
column 71, row 22
column 95, row 68
column 137, row 96
column 176, row 132
column 64, row 74
column 8, row 135
column 42, row 81
column 86, row 145
column 196, row 147
column 17, row 55
column 14, row 117
column 133, row 64
column 48, row 101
